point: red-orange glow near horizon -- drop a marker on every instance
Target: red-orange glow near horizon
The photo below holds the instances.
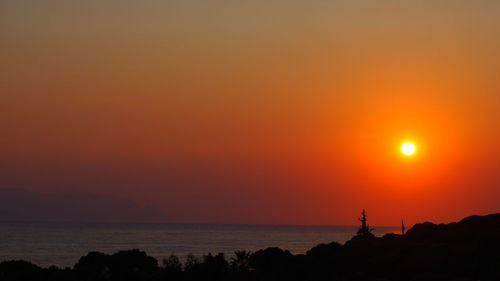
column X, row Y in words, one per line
column 267, row 112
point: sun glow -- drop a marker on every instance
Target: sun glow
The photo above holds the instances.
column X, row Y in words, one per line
column 408, row 148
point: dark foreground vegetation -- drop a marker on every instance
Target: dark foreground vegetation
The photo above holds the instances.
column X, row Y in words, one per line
column 467, row 250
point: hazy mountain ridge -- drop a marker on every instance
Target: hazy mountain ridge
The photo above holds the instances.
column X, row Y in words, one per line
column 24, row 205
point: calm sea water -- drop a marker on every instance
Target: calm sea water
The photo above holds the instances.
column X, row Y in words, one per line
column 62, row 244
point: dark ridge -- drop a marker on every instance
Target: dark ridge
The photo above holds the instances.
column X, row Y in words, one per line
column 25, row 205
column 466, row 250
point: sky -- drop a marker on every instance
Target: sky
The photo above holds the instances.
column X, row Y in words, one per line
column 256, row 112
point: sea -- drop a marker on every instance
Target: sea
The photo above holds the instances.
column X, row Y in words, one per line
column 62, row 244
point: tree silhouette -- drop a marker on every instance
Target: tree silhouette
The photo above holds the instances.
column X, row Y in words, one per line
column 241, row 261
column 364, row 230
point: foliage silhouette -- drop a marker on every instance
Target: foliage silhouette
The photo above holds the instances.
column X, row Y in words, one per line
column 467, row 250
column 364, row 230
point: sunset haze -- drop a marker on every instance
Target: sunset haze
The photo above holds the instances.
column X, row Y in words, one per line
column 256, row 112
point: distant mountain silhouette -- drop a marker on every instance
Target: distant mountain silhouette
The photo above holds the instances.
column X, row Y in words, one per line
column 25, row 205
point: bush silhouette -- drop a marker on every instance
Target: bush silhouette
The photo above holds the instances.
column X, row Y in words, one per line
column 20, row 271
column 466, row 250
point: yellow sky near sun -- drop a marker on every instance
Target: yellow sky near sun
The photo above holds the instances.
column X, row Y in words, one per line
column 314, row 88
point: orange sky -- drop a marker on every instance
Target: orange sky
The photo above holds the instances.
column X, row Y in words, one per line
column 286, row 112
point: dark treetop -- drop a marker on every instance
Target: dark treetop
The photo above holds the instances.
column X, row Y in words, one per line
column 467, row 250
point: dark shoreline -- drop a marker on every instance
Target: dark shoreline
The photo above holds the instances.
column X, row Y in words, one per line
column 466, row 250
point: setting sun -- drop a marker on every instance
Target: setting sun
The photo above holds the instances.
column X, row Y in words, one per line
column 408, row 149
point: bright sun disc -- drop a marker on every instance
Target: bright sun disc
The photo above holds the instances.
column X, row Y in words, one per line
column 408, row 148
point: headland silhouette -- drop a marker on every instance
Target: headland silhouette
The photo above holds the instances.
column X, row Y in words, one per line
column 465, row 250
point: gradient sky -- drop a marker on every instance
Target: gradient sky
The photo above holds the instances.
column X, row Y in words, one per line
column 275, row 112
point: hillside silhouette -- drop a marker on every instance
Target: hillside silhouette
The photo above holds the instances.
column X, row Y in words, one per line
column 24, row 205
column 466, row 250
